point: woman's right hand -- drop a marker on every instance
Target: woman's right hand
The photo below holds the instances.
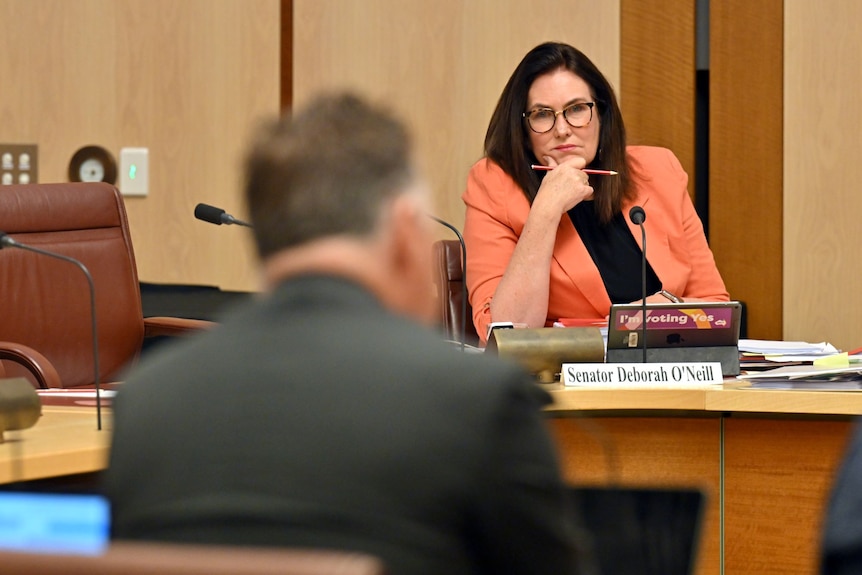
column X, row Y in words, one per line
column 522, row 294
column 564, row 187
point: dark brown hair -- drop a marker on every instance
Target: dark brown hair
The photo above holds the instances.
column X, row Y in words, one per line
column 327, row 171
column 507, row 139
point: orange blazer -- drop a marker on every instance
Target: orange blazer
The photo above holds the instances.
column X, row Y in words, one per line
column 676, row 246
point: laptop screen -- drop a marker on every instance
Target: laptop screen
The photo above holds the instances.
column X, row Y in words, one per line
column 54, row 522
column 691, row 324
column 641, row 531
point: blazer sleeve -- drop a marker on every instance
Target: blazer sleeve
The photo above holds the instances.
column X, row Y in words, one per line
column 490, row 234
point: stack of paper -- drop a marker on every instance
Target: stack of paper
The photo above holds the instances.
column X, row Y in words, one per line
column 771, row 348
column 847, row 377
column 757, row 354
column 803, row 365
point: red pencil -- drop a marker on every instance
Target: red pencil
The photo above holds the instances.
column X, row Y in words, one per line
column 540, row 167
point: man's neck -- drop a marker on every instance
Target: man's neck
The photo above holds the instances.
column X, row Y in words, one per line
column 344, row 257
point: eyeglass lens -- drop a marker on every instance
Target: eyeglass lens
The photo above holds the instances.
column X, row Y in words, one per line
column 577, row 116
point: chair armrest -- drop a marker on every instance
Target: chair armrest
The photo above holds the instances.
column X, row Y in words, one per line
column 43, row 371
column 174, row 326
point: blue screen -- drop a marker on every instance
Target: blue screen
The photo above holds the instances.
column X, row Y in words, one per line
column 54, row 523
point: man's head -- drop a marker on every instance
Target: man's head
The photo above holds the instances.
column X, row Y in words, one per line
column 334, row 189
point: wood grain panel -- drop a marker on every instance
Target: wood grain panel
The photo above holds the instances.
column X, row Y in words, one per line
column 763, row 401
column 658, row 76
column 286, row 62
column 745, row 156
column 185, row 79
column 778, row 474
column 650, row 451
column 440, row 65
column 822, row 171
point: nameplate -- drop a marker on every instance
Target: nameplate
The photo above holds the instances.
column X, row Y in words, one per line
column 676, row 374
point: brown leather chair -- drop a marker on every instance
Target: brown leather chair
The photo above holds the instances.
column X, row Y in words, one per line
column 45, row 319
column 455, row 310
column 168, row 559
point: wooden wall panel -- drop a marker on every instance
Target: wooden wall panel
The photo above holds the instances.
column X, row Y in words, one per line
column 286, row 63
column 822, row 171
column 185, row 79
column 658, row 76
column 745, row 156
column 440, row 65
column 773, row 517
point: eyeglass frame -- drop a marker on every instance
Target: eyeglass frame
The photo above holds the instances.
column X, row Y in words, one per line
column 590, row 105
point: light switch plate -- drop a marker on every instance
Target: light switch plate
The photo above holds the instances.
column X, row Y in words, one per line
column 134, row 171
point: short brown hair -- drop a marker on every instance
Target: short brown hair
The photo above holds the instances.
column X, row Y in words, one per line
column 324, row 172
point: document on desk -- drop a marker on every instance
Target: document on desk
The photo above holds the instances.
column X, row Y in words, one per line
column 761, row 354
column 794, row 348
column 842, row 378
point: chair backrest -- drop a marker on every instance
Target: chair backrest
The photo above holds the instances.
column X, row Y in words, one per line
column 167, row 559
column 449, row 280
column 45, row 302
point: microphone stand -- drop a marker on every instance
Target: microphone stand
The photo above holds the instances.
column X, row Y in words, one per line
column 643, row 293
column 6, row 241
column 638, row 217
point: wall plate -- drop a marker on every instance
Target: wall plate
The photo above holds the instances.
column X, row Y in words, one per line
column 19, row 164
column 134, row 171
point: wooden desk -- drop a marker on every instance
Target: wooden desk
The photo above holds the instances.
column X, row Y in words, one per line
column 64, row 441
column 766, row 458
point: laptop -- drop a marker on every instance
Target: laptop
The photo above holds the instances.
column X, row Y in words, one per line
column 676, row 332
column 691, row 324
column 639, row 530
column 41, row 522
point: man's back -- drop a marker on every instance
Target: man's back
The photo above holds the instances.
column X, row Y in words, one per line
column 315, row 418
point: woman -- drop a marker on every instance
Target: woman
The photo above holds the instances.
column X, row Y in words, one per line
column 544, row 244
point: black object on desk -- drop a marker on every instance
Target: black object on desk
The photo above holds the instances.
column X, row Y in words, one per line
column 639, row 530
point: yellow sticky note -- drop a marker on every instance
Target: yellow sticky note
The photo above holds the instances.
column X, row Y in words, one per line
column 835, row 360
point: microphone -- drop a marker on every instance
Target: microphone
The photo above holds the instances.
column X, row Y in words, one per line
column 638, row 216
column 217, row 216
column 463, row 277
column 8, row 242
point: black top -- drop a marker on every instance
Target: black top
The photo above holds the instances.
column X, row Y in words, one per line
column 615, row 252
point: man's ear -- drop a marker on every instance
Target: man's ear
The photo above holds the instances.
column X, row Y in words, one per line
column 410, row 257
column 404, row 229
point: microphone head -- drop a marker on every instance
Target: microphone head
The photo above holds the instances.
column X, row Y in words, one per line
column 5, row 240
column 209, row 214
column 637, row 215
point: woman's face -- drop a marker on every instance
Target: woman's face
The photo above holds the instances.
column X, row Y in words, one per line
column 557, row 91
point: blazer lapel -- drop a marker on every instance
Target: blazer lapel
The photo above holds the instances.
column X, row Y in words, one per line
column 574, row 259
column 658, row 251
column 635, row 229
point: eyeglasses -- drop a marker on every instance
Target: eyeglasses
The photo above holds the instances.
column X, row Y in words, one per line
column 542, row 120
